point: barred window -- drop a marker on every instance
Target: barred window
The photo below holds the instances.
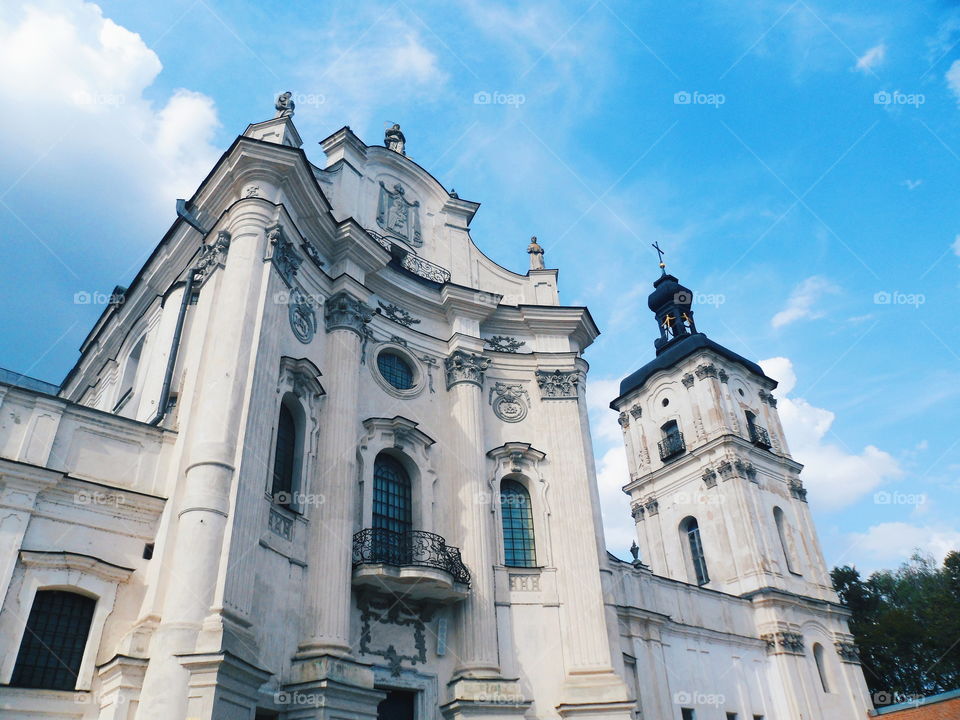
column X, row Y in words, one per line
column 392, row 496
column 519, row 549
column 395, row 370
column 53, row 641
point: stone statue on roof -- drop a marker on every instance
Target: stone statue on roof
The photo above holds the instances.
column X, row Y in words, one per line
column 536, row 254
column 285, row 104
column 393, row 139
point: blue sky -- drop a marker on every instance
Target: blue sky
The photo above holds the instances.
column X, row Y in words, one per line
column 798, row 161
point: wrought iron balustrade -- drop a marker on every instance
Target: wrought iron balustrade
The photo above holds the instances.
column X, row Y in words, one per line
column 671, row 446
column 414, row 548
column 760, row 437
column 411, row 261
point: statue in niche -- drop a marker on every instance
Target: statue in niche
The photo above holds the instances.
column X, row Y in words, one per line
column 393, row 139
column 536, row 254
column 285, row 105
column 398, row 216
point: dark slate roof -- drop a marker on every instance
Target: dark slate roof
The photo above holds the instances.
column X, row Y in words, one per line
column 671, row 356
column 26, row 382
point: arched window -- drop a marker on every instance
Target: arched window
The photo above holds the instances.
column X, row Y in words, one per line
column 285, row 458
column 784, row 540
column 821, row 667
column 53, row 641
column 690, row 532
column 519, row 548
column 392, row 496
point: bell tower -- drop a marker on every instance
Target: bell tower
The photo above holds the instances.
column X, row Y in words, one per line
column 715, row 495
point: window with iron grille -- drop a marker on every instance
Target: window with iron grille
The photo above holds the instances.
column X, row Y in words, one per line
column 395, row 370
column 392, row 496
column 519, row 549
column 53, row 641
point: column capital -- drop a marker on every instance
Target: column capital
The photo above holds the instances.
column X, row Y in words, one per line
column 343, row 311
column 465, row 367
column 558, row 384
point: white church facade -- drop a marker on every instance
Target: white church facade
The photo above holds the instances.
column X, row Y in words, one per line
column 325, row 459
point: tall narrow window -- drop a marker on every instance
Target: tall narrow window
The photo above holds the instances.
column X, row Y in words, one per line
column 53, row 641
column 392, row 496
column 821, row 668
column 784, row 539
column 519, row 549
column 690, row 530
column 392, row 511
column 129, row 380
column 284, row 459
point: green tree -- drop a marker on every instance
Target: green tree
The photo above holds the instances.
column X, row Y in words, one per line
column 907, row 625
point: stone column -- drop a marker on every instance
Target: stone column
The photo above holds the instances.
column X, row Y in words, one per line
column 327, row 615
column 476, row 616
column 209, row 424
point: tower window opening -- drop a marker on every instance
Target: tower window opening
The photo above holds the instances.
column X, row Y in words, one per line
column 690, row 529
column 672, row 443
column 821, row 667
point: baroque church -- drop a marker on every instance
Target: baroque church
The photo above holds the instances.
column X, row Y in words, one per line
column 325, row 459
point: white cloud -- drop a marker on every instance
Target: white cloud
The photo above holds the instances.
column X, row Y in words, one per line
column 380, row 60
column 802, row 300
column 890, row 543
column 956, row 246
column 912, row 184
column 953, row 79
column 835, row 475
column 77, row 81
column 871, row 58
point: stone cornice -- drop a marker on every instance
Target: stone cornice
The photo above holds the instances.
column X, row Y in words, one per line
column 405, row 432
column 694, row 458
column 355, row 253
column 53, row 560
column 461, row 301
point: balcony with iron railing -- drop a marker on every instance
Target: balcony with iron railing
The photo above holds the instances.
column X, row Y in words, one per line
column 671, row 446
column 760, row 437
column 414, row 564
